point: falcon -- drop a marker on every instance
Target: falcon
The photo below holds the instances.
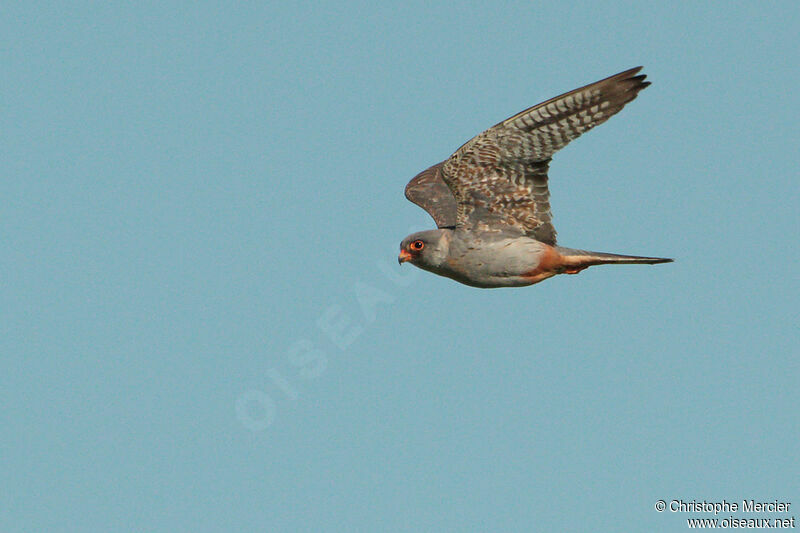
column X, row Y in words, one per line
column 490, row 199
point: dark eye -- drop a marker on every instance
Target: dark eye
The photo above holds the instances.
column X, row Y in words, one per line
column 417, row 245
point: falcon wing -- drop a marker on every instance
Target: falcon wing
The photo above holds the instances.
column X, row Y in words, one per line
column 499, row 178
column 428, row 191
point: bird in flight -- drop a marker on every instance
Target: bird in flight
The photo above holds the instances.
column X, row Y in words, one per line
column 490, row 199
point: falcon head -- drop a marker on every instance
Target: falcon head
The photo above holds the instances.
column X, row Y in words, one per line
column 425, row 249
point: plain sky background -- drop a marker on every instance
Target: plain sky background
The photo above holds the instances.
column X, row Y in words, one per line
column 204, row 327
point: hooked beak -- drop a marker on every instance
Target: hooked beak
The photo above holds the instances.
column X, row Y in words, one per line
column 403, row 257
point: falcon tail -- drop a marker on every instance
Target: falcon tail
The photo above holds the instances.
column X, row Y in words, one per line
column 576, row 260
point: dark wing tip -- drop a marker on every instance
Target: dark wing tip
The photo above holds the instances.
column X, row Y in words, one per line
column 629, row 72
column 630, row 78
column 632, row 83
column 625, row 86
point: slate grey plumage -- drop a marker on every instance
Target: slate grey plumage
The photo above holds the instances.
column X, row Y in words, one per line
column 491, row 202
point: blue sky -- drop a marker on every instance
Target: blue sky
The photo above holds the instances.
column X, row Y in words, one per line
column 204, row 327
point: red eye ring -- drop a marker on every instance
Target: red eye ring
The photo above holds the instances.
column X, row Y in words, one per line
column 417, row 245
